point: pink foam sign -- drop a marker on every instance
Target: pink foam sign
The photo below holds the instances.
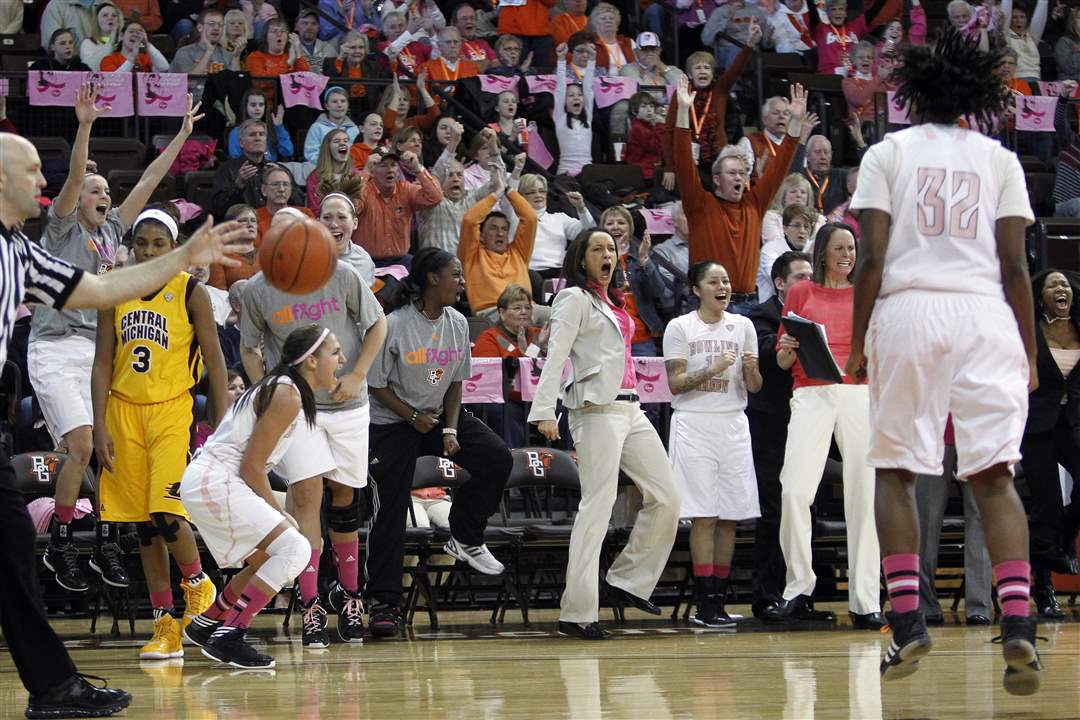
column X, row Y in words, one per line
column 542, row 83
column 53, row 88
column 528, row 376
column 658, row 221
column 485, row 383
column 498, row 83
column 1035, row 114
column 114, row 92
column 897, row 115
column 652, row 385
column 303, row 89
column 537, row 150
column 611, row 89
column 162, row 94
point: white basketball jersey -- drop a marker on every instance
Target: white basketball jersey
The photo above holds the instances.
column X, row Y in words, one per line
column 230, row 440
column 944, row 188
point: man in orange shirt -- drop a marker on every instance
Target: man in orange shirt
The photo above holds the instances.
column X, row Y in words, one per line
column 474, row 48
column 726, row 226
column 389, row 203
column 574, row 20
column 277, row 188
column 450, row 67
column 530, row 21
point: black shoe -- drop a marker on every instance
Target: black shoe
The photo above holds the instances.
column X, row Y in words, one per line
column 106, row 562
column 758, row 607
column 200, row 629
column 590, row 631
column 910, row 643
column 934, row 620
column 384, row 620
column 1023, row 673
column 798, row 608
column 350, row 624
column 1046, row 601
column 75, row 697
column 977, row 620
column 227, row 645
column 1059, row 563
column 314, row 635
column 618, row 596
column 62, row 558
column 867, row 621
column 708, row 612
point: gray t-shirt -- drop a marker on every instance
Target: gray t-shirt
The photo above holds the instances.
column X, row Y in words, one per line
column 344, row 304
column 419, row 360
column 358, row 259
column 67, row 239
column 186, row 57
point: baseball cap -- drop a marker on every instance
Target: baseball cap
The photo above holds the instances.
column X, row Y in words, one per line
column 307, row 12
column 648, row 39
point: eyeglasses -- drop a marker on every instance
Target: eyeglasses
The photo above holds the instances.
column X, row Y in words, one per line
column 798, row 226
column 283, row 185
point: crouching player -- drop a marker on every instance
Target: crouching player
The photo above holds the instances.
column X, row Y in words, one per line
column 227, row 493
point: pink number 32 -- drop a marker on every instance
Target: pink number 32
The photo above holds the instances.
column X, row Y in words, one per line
column 962, row 216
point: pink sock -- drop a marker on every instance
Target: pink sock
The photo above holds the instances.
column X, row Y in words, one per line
column 224, row 602
column 309, row 578
column 64, row 513
column 348, row 556
column 191, row 570
column 247, row 606
column 902, row 580
column 703, row 570
column 721, row 571
column 161, row 600
column 1014, row 587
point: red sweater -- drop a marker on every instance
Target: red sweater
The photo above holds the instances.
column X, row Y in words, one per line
column 643, row 147
column 832, row 308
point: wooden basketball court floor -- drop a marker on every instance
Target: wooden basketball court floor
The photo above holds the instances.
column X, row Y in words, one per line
column 650, row 670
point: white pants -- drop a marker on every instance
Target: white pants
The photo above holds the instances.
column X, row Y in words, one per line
column 610, row 437
column 816, row 413
column 60, row 373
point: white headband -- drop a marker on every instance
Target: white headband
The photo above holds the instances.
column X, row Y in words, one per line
column 313, row 348
column 162, row 217
column 344, row 197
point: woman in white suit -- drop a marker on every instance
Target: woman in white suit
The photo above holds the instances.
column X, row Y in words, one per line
column 590, row 327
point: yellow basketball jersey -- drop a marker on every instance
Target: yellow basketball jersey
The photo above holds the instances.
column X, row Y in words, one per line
column 157, row 357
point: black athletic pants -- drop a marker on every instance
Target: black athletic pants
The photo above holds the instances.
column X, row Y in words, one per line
column 1048, row 520
column 768, row 436
column 394, row 450
column 39, row 656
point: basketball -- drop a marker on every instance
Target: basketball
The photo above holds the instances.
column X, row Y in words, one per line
column 298, row 256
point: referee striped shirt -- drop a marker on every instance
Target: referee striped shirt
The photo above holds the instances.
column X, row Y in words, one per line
column 31, row 275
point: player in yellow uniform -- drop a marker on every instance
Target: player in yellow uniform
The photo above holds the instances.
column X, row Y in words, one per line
column 149, row 356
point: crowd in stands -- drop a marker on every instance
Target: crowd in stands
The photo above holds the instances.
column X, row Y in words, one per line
column 504, row 179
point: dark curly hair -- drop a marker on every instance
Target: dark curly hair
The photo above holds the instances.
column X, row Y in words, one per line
column 951, row 80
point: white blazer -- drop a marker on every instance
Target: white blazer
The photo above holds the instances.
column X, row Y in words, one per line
column 584, row 329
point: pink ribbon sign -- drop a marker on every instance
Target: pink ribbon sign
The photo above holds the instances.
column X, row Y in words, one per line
column 652, row 384
column 114, row 91
column 53, row 88
column 528, row 376
column 162, row 94
column 1035, row 114
column 536, row 148
column 485, row 384
column 611, row 89
column 658, row 221
column 398, row 272
column 5, row 87
column 498, row 83
column 897, row 115
column 303, row 89
column 1049, row 88
column 542, row 83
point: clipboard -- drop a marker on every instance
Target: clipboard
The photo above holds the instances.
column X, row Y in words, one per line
column 813, row 352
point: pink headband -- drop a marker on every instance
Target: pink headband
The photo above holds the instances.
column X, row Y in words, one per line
column 313, row 348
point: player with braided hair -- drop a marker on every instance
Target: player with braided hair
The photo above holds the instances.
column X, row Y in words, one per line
column 939, row 204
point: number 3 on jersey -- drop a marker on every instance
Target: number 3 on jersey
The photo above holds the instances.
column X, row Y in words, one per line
column 141, row 364
column 962, row 215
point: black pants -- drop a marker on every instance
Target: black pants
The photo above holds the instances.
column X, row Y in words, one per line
column 1050, row 525
column 768, row 435
column 396, row 448
column 39, row 656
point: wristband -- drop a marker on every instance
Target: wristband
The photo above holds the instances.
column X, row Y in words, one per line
column 412, row 418
column 449, row 431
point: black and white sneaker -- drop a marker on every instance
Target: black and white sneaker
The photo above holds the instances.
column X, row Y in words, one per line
column 106, row 562
column 200, row 629
column 350, row 624
column 314, row 633
column 62, row 558
column 910, row 643
column 227, row 645
column 1023, row 672
column 478, row 557
column 385, row 620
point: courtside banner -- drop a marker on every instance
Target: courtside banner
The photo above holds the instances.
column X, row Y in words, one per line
column 652, row 385
column 485, row 381
column 54, row 88
column 303, row 89
column 162, row 94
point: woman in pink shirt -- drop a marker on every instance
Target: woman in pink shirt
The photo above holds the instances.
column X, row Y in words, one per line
column 819, row 410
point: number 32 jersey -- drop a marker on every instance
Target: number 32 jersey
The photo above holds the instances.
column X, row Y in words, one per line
column 157, row 356
column 944, row 187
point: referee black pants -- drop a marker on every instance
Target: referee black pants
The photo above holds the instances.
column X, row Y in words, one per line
column 394, row 450
column 39, row 656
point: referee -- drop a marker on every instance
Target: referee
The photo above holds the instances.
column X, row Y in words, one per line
column 28, row 273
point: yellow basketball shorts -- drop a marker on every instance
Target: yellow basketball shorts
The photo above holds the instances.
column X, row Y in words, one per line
column 152, row 447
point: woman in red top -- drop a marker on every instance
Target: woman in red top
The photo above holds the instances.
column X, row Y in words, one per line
column 273, row 59
column 821, row 409
column 135, row 53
